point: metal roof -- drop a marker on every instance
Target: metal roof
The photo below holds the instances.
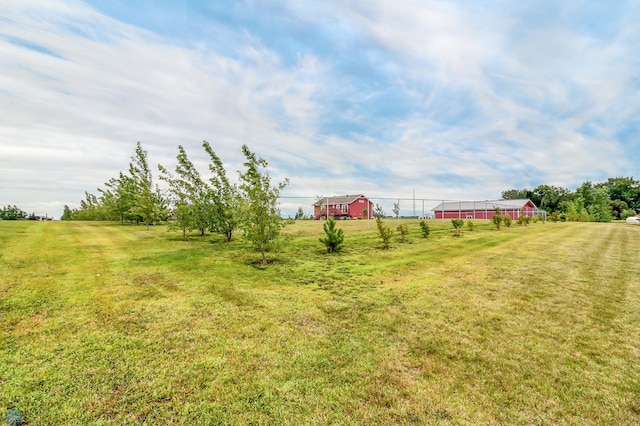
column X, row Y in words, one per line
column 483, row 205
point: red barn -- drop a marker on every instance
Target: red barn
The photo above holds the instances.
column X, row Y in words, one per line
column 486, row 209
column 343, row 207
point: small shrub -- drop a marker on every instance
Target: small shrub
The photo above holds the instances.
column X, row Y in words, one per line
column 496, row 219
column 424, row 228
column 403, row 230
column 470, row 225
column 627, row 213
column 385, row 232
column 554, row 217
column 334, row 239
column 538, row 218
column 457, row 224
column 506, row 220
column 522, row 220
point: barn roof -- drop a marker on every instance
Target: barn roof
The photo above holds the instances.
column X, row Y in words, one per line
column 483, row 205
column 342, row 199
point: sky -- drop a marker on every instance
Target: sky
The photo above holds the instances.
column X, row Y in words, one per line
column 451, row 99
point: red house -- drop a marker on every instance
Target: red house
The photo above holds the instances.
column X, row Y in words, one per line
column 343, row 207
column 486, row 209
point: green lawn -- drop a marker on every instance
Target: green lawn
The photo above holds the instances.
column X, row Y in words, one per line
column 109, row 324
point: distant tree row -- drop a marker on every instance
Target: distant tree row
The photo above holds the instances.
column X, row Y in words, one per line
column 13, row 212
column 617, row 198
column 189, row 202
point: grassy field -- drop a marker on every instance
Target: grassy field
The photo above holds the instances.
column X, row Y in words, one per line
column 108, row 324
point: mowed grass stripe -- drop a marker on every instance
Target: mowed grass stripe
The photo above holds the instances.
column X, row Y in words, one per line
column 526, row 325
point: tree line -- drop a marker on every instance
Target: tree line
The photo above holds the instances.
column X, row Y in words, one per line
column 616, row 198
column 190, row 202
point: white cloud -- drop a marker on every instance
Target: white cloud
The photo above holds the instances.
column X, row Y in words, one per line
column 495, row 97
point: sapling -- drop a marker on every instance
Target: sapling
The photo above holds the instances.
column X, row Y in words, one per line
column 334, row 239
column 424, row 228
column 457, row 224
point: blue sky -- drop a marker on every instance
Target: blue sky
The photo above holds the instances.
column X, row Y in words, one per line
column 447, row 99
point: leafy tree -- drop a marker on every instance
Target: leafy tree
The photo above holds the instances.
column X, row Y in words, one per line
column 549, row 197
column 403, row 230
column 119, row 197
column 183, row 214
column 625, row 189
column 384, row 231
column 496, row 219
column 91, row 208
column 506, row 220
column 225, row 196
column 600, row 208
column 260, row 219
column 457, row 224
column 575, row 211
column 424, row 228
column 516, row 194
column 189, row 194
column 334, row 237
column 470, row 224
column 617, row 207
column 66, row 213
column 300, row 214
column 147, row 202
column 12, row 213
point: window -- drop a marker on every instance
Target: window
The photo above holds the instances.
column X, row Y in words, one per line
column 345, row 208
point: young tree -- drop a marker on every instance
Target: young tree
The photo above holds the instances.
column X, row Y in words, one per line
column 183, row 216
column 457, row 224
column 334, row 237
column 119, row 196
column 575, row 210
column 147, row 202
column 424, row 228
column 189, row 194
column 396, row 211
column 496, row 219
column 378, row 212
column 225, row 211
column 404, row 231
column 91, row 208
column 384, row 232
column 300, row 214
column 260, row 219
column 66, row 213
